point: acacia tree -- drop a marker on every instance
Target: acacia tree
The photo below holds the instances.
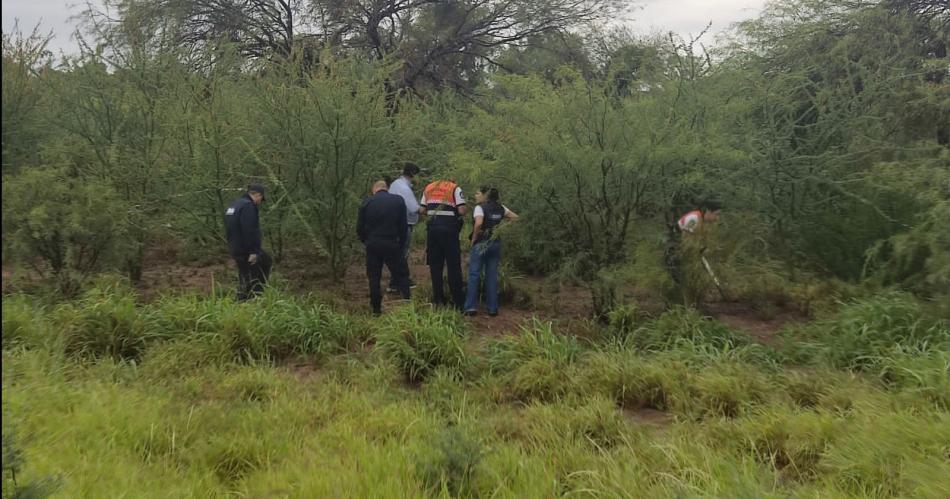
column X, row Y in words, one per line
column 64, row 227
column 438, row 44
column 116, row 99
column 590, row 163
column 25, row 61
column 832, row 96
column 210, row 130
column 326, row 136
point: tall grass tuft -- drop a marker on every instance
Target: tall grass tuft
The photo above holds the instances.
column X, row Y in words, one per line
column 681, row 325
column 105, row 322
column 536, row 364
column 419, row 341
column 865, row 332
column 24, row 323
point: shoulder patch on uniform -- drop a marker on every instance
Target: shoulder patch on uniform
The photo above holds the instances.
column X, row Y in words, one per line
column 229, row 212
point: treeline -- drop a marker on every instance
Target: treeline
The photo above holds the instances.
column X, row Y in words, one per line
column 824, row 126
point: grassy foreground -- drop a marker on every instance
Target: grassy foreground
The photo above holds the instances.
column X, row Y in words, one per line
column 285, row 397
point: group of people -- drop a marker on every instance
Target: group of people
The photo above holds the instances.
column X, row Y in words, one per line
column 385, row 224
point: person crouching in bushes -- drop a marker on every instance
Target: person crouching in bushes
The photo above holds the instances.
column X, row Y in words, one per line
column 489, row 213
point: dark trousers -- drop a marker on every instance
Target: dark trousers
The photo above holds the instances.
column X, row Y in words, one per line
column 405, row 255
column 390, row 253
column 252, row 278
column 443, row 249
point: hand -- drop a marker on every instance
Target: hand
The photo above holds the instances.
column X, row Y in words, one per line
column 252, row 259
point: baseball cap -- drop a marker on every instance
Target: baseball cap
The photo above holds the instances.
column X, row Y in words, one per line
column 256, row 188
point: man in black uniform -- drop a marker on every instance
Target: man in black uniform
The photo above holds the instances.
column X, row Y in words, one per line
column 243, row 230
column 381, row 226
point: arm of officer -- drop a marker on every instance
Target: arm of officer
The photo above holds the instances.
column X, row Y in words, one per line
column 250, row 233
column 510, row 215
column 423, row 209
column 361, row 223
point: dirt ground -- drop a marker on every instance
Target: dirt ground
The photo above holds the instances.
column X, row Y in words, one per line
column 300, row 272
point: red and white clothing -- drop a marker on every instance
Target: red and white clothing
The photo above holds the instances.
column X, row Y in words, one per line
column 691, row 221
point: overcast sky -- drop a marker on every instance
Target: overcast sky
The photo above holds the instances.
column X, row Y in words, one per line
column 685, row 17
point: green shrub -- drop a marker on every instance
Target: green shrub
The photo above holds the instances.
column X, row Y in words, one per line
column 419, row 341
column 73, row 226
column 450, row 465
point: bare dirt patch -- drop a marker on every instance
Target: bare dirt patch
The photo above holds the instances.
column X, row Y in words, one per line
column 763, row 328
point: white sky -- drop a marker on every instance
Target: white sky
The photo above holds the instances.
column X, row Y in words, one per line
column 684, row 17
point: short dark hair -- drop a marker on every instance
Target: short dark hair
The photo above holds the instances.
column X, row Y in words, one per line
column 491, row 192
column 410, row 169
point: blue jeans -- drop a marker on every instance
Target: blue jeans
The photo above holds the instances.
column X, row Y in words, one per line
column 485, row 255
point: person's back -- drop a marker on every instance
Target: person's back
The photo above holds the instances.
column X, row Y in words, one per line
column 493, row 214
column 486, row 249
column 684, row 255
column 690, row 221
column 381, row 226
column 444, row 204
column 384, row 218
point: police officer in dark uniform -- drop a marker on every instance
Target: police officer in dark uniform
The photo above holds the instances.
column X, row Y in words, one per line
column 444, row 204
column 243, row 230
column 381, row 226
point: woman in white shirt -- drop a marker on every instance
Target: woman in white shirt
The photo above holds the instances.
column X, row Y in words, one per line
column 486, row 249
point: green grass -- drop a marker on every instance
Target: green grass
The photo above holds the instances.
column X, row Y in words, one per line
column 209, row 403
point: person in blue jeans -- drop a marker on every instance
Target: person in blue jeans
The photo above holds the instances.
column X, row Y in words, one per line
column 486, row 249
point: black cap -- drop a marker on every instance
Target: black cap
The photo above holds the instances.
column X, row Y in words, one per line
column 256, row 188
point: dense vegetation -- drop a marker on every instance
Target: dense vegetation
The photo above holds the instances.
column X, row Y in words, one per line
column 824, row 126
